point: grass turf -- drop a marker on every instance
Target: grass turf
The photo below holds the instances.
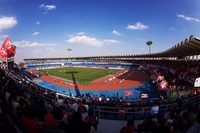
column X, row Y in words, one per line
column 82, row 75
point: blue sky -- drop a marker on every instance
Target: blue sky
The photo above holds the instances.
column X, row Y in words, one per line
column 46, row 28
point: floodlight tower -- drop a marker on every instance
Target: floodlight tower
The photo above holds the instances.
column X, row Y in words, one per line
column 69, row 50
column 149, row 43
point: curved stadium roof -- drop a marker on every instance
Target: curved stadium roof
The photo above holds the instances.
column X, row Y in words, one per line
column 190, row 46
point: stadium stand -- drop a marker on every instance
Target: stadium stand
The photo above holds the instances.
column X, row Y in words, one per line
column 27, row 107
column 22, row 98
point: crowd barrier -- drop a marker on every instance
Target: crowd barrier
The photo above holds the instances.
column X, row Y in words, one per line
column 140, row 113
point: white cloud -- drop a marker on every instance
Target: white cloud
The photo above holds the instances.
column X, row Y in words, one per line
column 114, row 32
column 35, row 33
column 82, row 39
column 7, row 22
column 137, row 26
column 30, row 49
column 85, row 40
column 81, row 33
column 25, row 43
column 37, row 22
column 39, row 52
column 47, row 7
column 111, row 41
column 188, row 18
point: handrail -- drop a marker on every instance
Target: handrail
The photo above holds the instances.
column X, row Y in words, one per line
column 139, row 114
column 144, row 107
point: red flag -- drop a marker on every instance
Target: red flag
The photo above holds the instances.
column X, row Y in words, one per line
column 128, row 93
column 3, row 53
column 9, row 47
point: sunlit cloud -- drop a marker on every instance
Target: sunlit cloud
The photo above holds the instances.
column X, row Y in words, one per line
column 137, row 26
column 114, row 32
column 7, row 22
column 188, row 18
column 82, row 39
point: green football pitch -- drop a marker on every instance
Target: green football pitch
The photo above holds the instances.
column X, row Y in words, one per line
column 82, row 75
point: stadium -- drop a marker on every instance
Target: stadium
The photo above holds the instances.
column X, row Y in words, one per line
column 107, row 77
column 126, row 80
column 154, row 92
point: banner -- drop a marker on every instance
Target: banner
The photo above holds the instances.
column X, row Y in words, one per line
column 3, row 53
column 9, row 47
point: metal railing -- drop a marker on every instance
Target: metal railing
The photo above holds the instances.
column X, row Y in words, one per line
column 140, row 113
